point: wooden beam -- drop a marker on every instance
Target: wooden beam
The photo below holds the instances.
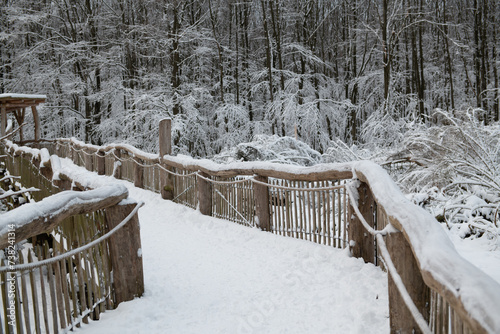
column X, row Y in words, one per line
column 165, row 141
column 36, row 118
column 3, row 121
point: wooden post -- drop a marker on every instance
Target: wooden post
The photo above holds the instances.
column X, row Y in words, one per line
column 204, row 195
column 261, row 198
column 165, row 132
column 89, row 159
column 138, row 173
column 401, row 320
column 125, row 254
column 117, row 167
column 166, row 179
column 362, row 243
column 101, row 163
column 3, row 121
column 36, row 118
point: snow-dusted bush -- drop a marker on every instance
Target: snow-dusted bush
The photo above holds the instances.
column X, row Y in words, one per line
column 460, row 156
column 285, row 150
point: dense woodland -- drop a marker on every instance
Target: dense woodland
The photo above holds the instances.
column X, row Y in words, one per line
column 226, row 70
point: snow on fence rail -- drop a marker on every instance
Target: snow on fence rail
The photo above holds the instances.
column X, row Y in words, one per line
column 431, row 288
column 84, row 259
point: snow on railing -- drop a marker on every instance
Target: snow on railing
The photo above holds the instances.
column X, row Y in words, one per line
column 311, row 203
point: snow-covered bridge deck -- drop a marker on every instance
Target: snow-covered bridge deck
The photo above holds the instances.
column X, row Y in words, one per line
column 207, row 275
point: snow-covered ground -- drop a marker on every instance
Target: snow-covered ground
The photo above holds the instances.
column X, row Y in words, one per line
column 206, row 275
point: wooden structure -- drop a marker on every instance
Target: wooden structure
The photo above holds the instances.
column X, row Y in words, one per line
column 354, row 205
column 95, row 262
column 17, row 104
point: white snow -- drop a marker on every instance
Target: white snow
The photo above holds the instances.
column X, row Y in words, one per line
column 22, row 96
column 206, row 275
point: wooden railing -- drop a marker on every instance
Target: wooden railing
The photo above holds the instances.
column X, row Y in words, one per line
column 84, row 256
column 355, row 205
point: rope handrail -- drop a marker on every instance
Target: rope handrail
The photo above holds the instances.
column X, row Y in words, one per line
column 387, row 230
column 275, row 186
column 31, row 266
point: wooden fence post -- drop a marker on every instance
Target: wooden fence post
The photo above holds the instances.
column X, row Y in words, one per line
column 204, row 194
column 89, row 159
column 125, row 253
column 165, row 132
column 362, row 243
column 117, row 166
column 166, row 179
column 261, row 198
column 101, row 163
column 138, row 173
column 401, row 319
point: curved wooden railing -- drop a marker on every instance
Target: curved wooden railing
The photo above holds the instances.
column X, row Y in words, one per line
column 83, row 258
column 431, row 287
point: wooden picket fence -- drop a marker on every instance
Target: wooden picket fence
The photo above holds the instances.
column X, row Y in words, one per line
column 354, row 205
column 82, row 260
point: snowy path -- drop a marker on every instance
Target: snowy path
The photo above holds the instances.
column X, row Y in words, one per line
column 206, row 275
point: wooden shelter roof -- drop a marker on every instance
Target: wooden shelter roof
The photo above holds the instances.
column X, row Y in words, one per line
column 16, row 103
column 12, row 102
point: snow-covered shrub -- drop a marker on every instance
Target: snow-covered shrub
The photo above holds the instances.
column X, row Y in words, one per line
column 285, row 150
column 338, row 151
column 460, row 156
column 460, row 153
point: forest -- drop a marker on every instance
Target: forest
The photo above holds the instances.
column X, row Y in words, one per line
column 324, row 71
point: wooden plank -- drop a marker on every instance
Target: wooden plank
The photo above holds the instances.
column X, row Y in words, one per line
column 297, row 223
column 44, row 300
column 25, row 298
column 64, row 281
column 4, row 287
column 73, row 284
column 314, row 230
column 58, row 291
column 34, row 296
column 287, row 208
column 52, row 290
column 89, row 263
column 82, row 298
column 19, row 312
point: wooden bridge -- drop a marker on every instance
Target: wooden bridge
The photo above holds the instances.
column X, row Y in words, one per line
column 357, row 205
